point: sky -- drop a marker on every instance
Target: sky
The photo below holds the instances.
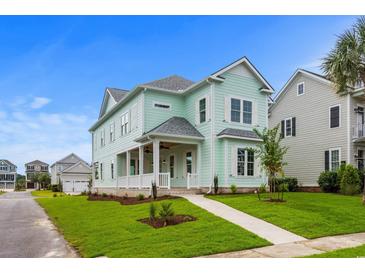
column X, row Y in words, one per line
column 54, row 69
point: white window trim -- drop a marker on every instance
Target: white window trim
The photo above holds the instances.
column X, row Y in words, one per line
column 241, row 111
column 245, row 163
column 126, row 114
column 175, row 173
column 301, row 83
column 102, row 137
column 291, row 129
column 329, row 116
column 206, row 109
column 330, row 156
column 161, row 103
column 112, row 170
column 112, row 124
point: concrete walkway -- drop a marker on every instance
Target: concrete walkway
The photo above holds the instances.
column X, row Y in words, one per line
column 270, row 232
column 298, row 249
column 26, row 231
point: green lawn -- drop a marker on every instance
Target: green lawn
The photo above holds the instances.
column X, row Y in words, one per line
column 2, row 192
column 354, row 252
column 110, row 229
column 45, row 193
column 310, row 215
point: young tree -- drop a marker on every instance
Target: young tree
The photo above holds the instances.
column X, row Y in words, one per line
column 345, row 64
column 271, row 153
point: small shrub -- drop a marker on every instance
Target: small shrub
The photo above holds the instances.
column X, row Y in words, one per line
column 166, row 212
column 54, row 195
column 55, row 188
column 104, row 195
column 350, row 181
column 152, row 212
column 292, row 183
column 154, row 190
column 216, row 184
column 233, row 189
column 328, row 182
column 140, row 197
column 261, row 190
column 20, row 184
column 83, row 193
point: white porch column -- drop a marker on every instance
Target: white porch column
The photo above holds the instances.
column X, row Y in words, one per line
column 128, row 166
column 140, row 166
column 156, row 161
column 198, row 163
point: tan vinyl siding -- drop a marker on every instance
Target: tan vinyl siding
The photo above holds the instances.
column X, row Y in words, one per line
column 305, row 156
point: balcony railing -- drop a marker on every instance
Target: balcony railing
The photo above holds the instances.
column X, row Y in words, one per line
column 144, row 181
column 358, row 131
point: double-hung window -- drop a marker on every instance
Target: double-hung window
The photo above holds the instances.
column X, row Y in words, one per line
column 102, row 138
column 300, row 89
column 335, row 159
column 245, row 162
column 111, row 133
column 172, row 166
column 202, row 110
column 112, row 169
column 241, row 111
column 124, row 124
column 288, row 127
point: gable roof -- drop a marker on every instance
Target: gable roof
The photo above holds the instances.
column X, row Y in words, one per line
column 114, row 94
column 70, row 168
column 37, row 162
column 313, row 75
column 173, row 82
column 69, row 159
column 8, row 162
column 240, row 133
column 180, row 86
column 175, row 126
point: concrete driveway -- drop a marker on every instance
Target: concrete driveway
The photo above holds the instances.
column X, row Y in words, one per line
column 26, row 231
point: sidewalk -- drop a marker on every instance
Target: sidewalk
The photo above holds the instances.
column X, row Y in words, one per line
column 298, row 249
column 270, row 232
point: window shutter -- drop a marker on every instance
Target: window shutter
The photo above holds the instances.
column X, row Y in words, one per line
column 282, row 134
column 197, row 120
column 208, row 107
column 129, row 121
column 234, row 161
column 254, row 114
column 335, row 117
column 227, row 109
column 293, row 125
column 326, row 160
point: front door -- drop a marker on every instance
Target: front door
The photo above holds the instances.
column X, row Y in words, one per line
column 360, row 121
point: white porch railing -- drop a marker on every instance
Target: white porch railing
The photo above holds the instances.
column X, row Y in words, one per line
column 193, row 180
column 358, row 131
column 164, row 180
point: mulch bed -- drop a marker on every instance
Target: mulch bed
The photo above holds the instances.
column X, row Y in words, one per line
column 128, row 200
column 175, row 220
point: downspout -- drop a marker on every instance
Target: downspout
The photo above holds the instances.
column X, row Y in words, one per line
column 212, row 139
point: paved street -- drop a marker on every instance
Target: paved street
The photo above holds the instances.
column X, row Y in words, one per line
column 26, row 232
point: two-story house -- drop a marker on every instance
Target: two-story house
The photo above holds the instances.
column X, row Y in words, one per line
column 321, row 128
column 32, row 168
column 72, row 172
column 180, row 134
column 7, row 174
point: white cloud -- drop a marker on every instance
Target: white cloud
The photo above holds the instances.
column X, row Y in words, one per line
column 39, row 102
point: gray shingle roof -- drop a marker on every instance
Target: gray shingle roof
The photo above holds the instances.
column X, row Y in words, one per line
column 37, row 162
column 174, row 83
column 177, row 126
column 118, row 94
column 238, row 133
column 8, row 162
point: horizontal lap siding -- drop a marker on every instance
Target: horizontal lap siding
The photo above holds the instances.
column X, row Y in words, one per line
column 305, row 156
column 108, row 153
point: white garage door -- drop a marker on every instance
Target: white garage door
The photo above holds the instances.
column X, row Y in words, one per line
column 75, row 186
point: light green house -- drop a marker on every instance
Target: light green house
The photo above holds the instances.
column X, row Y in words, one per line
column 181, row 134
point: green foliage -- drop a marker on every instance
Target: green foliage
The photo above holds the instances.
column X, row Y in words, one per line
column 20, row 184
column 233, row 189
column 152, row 212
column 56, row 188
column 328, row 181
column 261, row 190
column 216, row 184
column 166, row 211
column 350, row 181
column 291, row 182
column 154, row 190
column 54, row 195
column 344, row 65
column 271, row 153
column 104, row 195
column 140, row 197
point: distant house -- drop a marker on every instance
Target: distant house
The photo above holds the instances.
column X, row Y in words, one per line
column 32, row 168
column 181, row 134
column 7, row 174
column 72, row 172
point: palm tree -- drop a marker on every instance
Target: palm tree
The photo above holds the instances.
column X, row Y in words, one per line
column 345, row 64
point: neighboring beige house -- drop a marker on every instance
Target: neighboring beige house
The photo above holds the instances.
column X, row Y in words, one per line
column 7, row 175
column 35, row 167
column 321, row 128
column 72, row 172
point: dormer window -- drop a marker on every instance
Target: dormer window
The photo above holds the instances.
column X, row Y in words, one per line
column 300, row 89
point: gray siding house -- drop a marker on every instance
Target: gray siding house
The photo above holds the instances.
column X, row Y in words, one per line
column 32, row 168
column 321, row 128
column 7, row 175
